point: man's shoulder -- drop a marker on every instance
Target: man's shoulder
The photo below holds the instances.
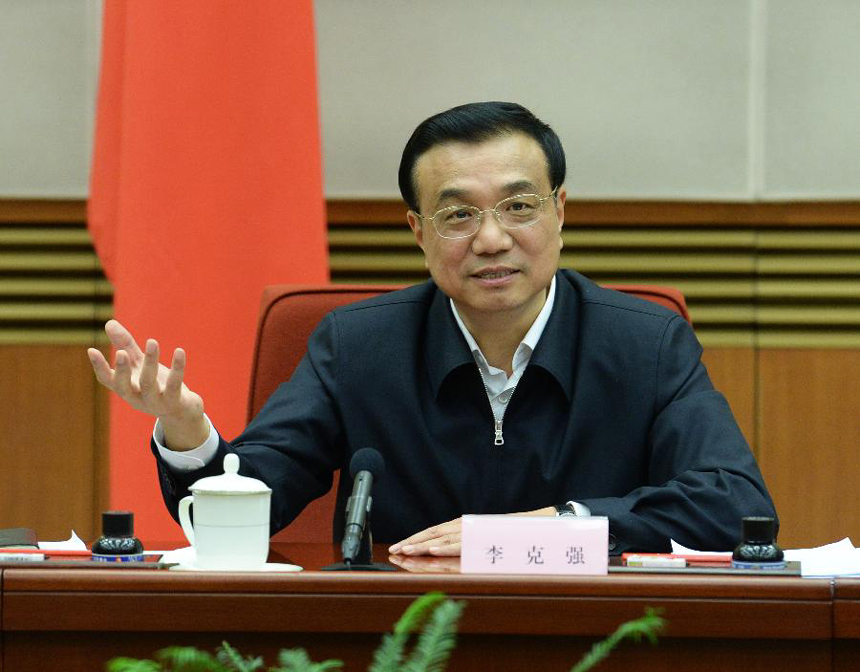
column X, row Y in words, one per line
column 614, row 321
column 416, row 296
column 612, row 303
column 385, row 331
column 398, row 313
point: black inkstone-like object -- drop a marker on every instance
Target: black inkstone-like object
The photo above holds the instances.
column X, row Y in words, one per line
column 758, row 549
column 117, row 543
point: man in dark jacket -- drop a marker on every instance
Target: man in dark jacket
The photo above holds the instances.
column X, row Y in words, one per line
column 500, row 386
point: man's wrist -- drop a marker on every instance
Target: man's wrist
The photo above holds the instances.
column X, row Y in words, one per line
column 185, row 435
column 186, row 460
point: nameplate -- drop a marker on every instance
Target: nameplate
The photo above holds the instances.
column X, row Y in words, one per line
column 498, row 544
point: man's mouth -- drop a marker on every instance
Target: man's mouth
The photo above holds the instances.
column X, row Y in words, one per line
column 494, row 273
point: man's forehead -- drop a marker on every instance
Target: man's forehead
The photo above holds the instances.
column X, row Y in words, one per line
column 466, row 191
column 510, row 163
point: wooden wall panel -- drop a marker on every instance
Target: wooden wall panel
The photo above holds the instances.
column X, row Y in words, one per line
column 732, row 371
column 762, row 279
column 49, row 452
column 809, row 442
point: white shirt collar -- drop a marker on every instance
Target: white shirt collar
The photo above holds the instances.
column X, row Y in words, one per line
column 530, row 340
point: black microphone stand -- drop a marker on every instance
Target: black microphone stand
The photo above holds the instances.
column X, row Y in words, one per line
column 356, row 545
column 363, row 559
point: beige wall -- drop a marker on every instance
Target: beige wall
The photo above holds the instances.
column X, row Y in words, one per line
column 683, row 99
column 676, row 99
column 48, row 73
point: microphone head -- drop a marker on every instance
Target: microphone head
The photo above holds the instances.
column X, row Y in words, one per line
column 367, row 459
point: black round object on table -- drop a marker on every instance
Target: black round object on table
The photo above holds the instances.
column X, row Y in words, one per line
column 117, row 543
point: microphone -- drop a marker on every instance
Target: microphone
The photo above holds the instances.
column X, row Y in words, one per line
column 365, row 466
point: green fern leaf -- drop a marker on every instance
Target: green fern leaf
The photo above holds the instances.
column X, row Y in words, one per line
column 437, row 640
column 297, row 660
column 189, row 659
column 418, row 612
column 123, row 664
column 328, row 665
column 233, row 660
column 389, row 654
column 646, row 626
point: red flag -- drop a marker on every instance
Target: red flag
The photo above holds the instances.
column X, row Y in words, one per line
column 206, row 186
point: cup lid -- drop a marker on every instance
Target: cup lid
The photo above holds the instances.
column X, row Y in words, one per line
column 230, row 482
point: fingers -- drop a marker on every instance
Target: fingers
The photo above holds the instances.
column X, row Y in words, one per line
column 104, row 374
column 416, row 538
column 173, row 384
column 148, row 380
column 448, row 546
column 439, row 540
column 121, row 383
column 443, row 545
column 140, row 379
column 426, row 563
column 121, row 339
column 445, row 540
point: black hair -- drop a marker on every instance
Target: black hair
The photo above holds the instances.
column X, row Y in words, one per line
column 474, row 123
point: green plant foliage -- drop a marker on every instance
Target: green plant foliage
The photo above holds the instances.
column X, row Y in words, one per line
column 296, row 660
column 646, row 626
column 389, row 655
column 433, row 617
column 437, row 639
column 188, row 659
column 191, row 659
column 123, row 664
column 417, row 612
column 171, row 659
column 233, row 660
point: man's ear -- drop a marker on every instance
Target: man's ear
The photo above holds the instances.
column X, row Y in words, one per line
column 560, row 199
column 417, row 229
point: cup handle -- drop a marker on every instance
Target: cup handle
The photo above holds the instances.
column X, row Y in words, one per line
column 185, row 519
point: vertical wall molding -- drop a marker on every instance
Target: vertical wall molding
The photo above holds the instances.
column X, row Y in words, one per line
column 757, row 98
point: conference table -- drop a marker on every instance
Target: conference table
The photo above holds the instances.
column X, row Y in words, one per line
column 76, row 618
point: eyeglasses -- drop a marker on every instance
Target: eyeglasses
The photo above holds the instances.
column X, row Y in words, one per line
column 514, row 212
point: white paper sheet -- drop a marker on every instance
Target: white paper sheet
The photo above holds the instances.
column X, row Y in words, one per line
column 73, row 543
column 683, row 550
column 837, row 559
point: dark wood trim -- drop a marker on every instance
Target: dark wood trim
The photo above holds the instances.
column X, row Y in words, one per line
column 369, row 212
column 846, row 609
column 43, row 210
column 638, row 213
column 714, row 623
column 365, row 212
column 649, row 213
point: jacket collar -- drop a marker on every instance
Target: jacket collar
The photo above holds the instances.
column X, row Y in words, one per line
column 557, row 349
column 447, row 350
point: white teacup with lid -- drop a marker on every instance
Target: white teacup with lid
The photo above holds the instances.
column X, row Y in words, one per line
column 231, row 520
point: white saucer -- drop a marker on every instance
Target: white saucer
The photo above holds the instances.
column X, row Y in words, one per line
column 267, row 567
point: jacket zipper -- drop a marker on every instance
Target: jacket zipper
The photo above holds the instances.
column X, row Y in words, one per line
column 498, row 436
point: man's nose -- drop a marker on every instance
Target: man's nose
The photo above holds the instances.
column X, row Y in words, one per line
column 491, row 237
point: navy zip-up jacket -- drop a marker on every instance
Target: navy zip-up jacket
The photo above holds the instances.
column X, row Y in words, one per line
column 614, row 410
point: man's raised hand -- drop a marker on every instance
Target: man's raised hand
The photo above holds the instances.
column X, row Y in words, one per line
column 149, row 386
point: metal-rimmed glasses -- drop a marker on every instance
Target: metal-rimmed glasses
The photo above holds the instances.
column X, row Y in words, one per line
column 514, row 212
